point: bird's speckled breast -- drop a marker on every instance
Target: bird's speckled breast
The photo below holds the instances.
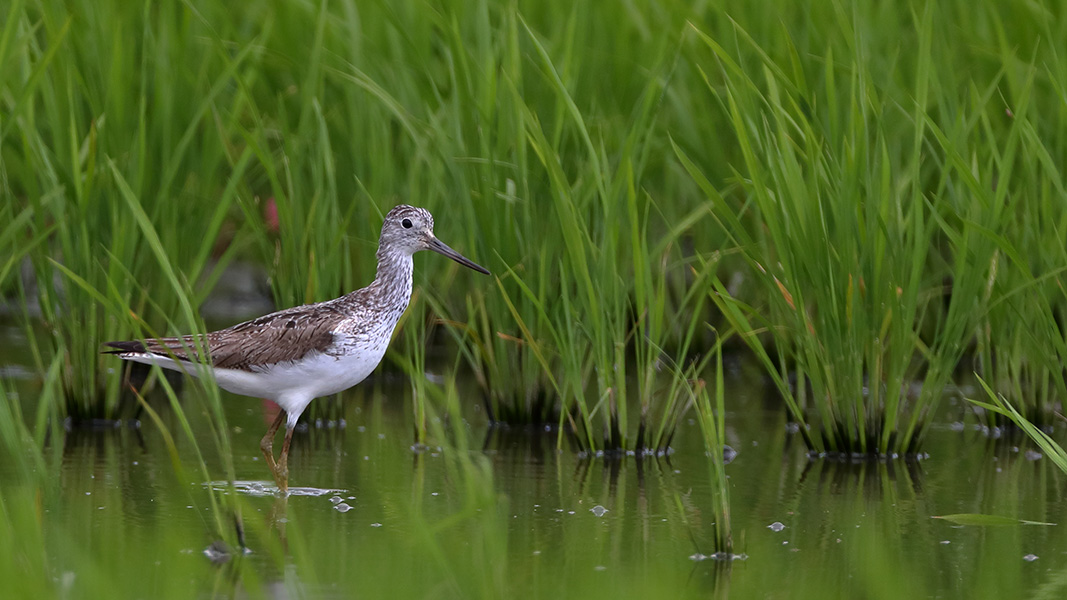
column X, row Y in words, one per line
column 358, row 348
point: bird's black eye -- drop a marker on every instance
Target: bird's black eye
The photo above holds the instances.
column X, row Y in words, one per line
column 406, row 223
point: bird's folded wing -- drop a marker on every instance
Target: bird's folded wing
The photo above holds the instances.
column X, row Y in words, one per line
column 280, row 337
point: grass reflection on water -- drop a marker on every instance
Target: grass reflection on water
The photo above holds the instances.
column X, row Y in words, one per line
column 519, row 519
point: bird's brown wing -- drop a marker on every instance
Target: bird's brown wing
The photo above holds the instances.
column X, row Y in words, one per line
column 279, row 337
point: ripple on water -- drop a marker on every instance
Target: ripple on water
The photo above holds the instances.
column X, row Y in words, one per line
column 261, row 488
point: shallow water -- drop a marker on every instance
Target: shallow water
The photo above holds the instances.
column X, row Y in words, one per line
column 514, row 517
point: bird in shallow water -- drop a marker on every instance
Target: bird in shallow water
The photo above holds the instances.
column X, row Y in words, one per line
column 301, row 353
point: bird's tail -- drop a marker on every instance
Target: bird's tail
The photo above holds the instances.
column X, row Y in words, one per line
column 124, row 347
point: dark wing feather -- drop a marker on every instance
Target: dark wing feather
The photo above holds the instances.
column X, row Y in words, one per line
column 275, row 338
column 124, row 347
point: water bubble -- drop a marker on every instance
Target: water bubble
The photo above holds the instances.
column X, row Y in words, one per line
column 728, row 454
column 218, row 552
column 342, row 507
column 598, row 510
column 1030, row 557
column 776, row 526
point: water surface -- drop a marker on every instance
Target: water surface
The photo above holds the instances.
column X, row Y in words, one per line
column 514, row 517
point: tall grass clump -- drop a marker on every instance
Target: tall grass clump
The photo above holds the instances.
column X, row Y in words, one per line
column 100, row 143
column 868, row 212
column 711, row 416
column 122, row 190
column 1022, row 341
column 591, row 305
column 553, row 196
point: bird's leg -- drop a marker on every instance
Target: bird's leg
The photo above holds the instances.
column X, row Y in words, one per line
column 283, row 459
column 267, row 445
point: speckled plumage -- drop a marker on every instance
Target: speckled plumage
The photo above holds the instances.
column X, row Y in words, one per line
column 301, row 353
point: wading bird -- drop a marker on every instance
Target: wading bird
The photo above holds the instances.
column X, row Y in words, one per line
column 298, row 354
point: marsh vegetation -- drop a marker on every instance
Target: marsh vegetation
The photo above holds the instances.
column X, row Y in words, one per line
column 832, row 219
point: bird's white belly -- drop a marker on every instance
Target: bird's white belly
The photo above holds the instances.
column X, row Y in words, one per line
column 319, row 374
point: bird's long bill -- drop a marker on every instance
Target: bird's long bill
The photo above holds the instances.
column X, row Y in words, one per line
column 442, row 248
